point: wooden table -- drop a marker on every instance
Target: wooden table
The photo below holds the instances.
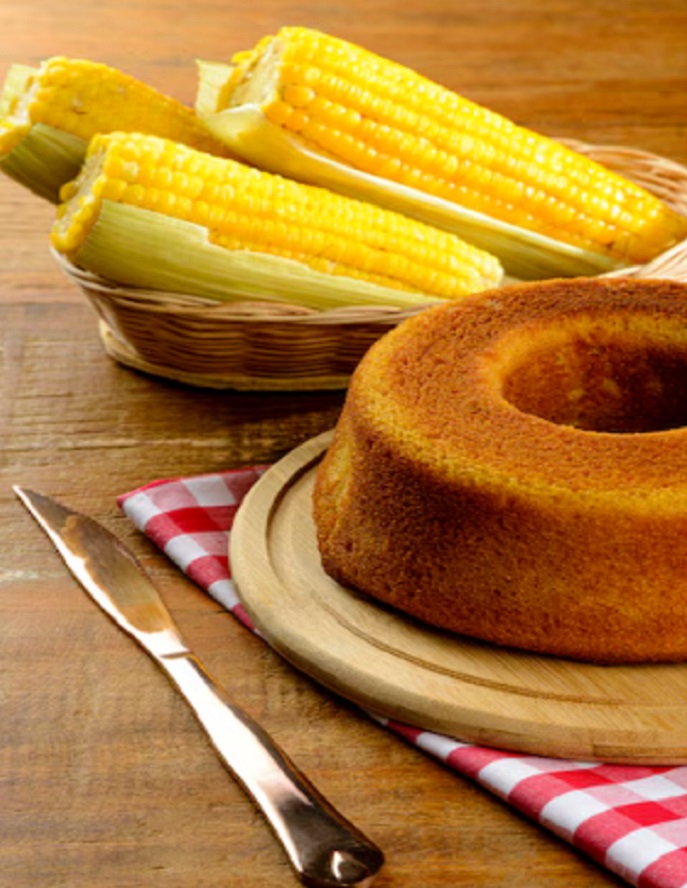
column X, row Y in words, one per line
column 106, row 779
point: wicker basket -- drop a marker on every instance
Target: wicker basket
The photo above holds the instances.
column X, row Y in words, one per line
column 267, row 346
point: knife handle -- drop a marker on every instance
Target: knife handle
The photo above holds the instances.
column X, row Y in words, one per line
column 325, row 850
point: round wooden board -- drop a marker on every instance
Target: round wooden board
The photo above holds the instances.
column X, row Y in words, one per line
column 394, row 666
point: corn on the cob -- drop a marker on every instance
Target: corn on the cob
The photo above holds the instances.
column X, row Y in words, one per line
column 152, row 213
column 320, row 109
column 48, row 114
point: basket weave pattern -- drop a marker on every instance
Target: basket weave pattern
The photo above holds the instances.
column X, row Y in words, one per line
column 272, row 346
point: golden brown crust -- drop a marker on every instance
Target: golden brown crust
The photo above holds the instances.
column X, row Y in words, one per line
column 514, row 467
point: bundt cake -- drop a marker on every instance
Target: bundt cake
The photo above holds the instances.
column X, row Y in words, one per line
column 513, row 467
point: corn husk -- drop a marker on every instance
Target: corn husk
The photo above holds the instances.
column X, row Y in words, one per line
column 44, row 159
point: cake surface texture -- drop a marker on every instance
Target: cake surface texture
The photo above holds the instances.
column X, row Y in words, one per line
column 513, row 467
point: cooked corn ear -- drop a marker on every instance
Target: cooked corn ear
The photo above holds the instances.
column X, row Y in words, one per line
column 48, row 114
column 322, row 110
column 152, row 213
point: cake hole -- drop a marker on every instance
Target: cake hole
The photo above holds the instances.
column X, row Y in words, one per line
column 601, row 381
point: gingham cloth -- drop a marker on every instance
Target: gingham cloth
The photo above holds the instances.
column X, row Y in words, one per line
column 632, row 820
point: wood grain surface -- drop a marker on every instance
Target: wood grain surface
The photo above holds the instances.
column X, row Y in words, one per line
column 105, row 779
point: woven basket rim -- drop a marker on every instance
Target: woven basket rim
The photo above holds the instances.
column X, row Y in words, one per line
column 651, row 169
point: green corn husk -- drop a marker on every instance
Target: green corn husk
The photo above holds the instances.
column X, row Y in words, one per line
column 43, row 160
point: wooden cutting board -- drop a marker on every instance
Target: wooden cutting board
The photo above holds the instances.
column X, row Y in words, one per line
column 397, row 667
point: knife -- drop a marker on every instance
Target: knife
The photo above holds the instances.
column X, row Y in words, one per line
column 325, row 849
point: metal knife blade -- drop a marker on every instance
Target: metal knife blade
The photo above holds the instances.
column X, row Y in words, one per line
column 325, row 849
column 109, row 573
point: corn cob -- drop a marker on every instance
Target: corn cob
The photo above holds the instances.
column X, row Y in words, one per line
column 48, row 114
column 152, row 213
column 322, row 110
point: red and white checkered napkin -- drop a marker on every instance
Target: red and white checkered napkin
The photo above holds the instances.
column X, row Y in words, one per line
column 632, row 820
